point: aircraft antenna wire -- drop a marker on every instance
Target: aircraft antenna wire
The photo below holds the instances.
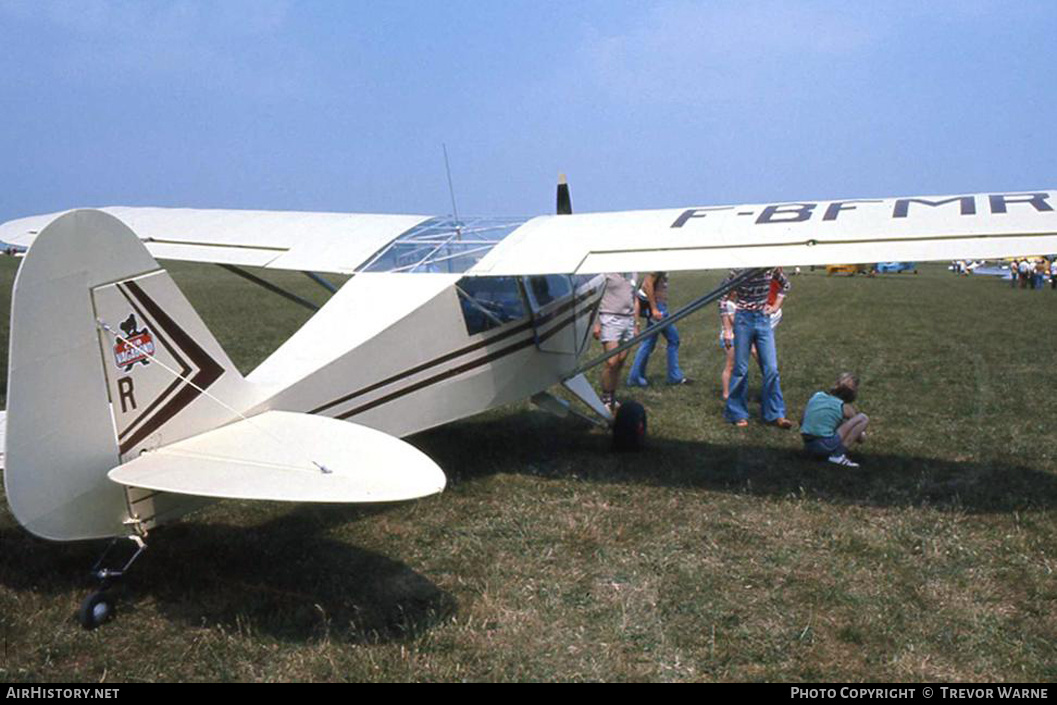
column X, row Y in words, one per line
column 282, row 442
column 451, row 191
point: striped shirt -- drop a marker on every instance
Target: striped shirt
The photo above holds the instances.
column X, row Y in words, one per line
column 752, row 294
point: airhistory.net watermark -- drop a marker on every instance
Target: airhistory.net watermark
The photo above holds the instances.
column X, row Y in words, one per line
column 34, row 692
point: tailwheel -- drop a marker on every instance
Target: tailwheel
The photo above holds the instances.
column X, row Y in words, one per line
column 629, row 428
column 96, row 609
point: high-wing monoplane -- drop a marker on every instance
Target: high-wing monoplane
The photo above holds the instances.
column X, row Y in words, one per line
column 125, row 413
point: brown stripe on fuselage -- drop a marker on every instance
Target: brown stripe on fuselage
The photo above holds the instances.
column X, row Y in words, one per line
column 466, row 367
column 447, row 357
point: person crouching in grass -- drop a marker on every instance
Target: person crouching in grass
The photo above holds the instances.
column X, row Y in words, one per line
column 830, row 424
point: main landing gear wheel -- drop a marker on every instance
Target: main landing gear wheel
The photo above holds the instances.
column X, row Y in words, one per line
column 96, row 609
column 629, row 428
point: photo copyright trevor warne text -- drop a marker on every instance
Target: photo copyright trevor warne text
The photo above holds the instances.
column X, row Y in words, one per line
column 33, row 692
column 941, row 692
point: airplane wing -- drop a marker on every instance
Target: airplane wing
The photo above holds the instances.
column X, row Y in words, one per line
column 921, row 228
column 917, row 228
column 318, row 242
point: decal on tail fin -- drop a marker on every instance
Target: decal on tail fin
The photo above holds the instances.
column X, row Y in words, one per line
column 135, row 345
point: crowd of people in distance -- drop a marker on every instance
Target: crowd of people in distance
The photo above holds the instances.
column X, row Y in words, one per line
column 1032, row 274
column 749, row 313
column 1024, row 272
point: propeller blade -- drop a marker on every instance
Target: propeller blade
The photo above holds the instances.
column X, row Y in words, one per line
column 565, row 201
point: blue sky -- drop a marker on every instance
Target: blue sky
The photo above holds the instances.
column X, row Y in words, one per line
column 344, row 105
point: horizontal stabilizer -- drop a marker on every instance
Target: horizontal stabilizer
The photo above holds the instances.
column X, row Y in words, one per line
column 286, row 456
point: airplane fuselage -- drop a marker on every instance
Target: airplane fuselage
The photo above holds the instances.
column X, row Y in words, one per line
column 445, row 358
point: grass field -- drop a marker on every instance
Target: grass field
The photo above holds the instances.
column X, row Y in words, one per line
column 719, row 554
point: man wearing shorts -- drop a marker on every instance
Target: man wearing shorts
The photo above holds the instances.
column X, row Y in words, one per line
column 617, row 323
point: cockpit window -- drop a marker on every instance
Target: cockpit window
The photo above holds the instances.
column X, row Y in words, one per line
column 443, row 244
column 547, row 288
column 489, row 302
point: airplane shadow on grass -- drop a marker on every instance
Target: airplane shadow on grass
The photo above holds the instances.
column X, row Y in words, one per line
column 282, row 578
column 536, row 442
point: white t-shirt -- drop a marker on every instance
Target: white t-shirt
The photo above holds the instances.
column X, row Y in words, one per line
column 619, row 296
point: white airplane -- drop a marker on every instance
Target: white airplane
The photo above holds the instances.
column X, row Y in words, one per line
column 124, row 413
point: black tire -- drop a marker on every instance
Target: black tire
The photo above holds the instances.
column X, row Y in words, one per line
column 629, row 428
column 96, row 609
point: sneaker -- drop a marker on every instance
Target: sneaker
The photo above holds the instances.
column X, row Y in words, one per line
column 842, row 459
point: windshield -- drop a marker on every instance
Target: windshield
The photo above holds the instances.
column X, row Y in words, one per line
column 443, row 244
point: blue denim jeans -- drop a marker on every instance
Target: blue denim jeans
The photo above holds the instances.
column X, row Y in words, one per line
column 754, row 327
column 637, row 375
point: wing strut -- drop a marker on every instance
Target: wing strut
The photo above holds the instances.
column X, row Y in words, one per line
column 270, row 287
column 322, row 281
column 682, row 313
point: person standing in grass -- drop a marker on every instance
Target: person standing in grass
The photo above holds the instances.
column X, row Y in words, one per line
column 727, row 309
column 1040, row 273
column 752, row 326
column 617, row 323
column 831, row 424
column 653, row 303
column 1025, row 273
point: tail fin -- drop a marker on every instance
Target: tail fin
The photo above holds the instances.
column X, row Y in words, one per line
column 107, row 359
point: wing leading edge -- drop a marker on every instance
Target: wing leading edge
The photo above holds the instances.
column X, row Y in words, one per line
column 918, row 228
